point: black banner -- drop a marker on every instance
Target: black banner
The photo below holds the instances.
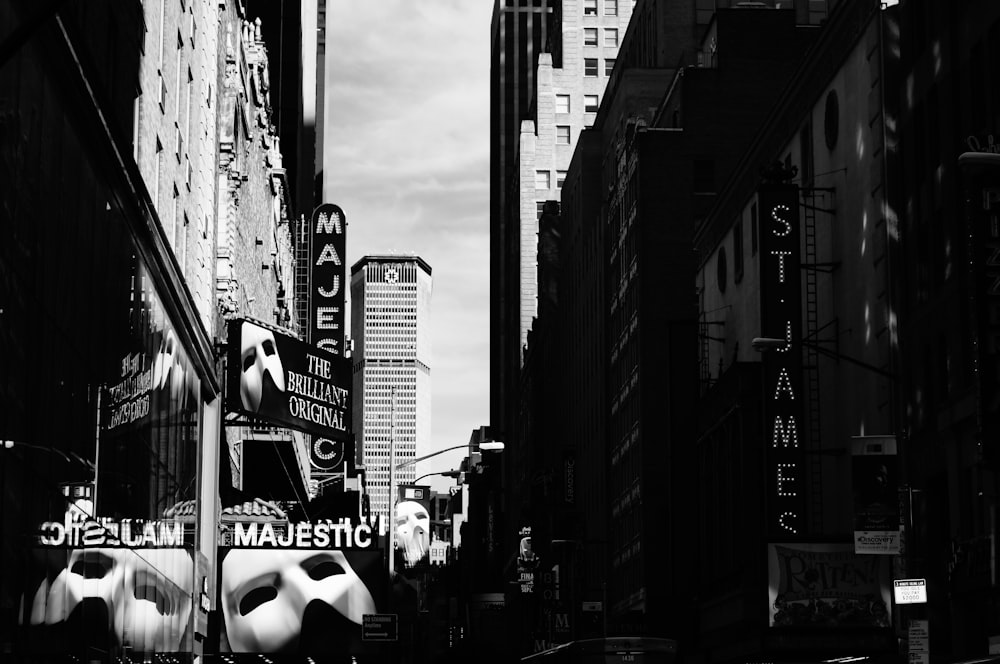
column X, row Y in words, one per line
column 288, row 382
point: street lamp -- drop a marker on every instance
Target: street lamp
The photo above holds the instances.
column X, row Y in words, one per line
column 485, row 446
column 455, row 474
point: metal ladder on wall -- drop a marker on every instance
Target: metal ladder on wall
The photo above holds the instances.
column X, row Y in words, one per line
column 810, row 357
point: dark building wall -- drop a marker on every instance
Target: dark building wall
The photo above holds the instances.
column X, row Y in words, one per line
column 945, row 99
column 847, row 391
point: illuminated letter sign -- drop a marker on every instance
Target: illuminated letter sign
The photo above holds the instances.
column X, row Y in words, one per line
column 781, row 318
column 326, row 285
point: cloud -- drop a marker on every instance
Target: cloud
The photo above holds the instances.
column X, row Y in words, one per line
column 407, row 157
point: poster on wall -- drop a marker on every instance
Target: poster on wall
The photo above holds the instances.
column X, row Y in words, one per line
column 876, row 495
column 302, row 588
column 412, row 525
column 280, row 379
column 108, row 597
column 827, row 585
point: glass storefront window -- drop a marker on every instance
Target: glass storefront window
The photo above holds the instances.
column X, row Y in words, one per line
column 100, row 406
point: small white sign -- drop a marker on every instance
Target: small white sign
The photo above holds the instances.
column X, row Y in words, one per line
column 910, row 591
column 920, row 658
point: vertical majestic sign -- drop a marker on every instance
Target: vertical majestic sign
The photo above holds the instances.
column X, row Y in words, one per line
column 781, row 317
column 327, row 278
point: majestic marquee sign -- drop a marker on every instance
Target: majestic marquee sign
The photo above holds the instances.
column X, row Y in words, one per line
column 781, row 317
column 305, row 535
column 288, row 382
column 327, row 278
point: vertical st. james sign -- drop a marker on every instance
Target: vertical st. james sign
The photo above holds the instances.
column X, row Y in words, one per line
column 327, row 278
column 781, row 318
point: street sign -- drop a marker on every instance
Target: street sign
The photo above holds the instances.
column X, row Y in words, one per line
column 380, row 627
column 909, row 591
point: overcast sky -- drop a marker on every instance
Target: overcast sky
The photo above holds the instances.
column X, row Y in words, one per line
column 411, row 135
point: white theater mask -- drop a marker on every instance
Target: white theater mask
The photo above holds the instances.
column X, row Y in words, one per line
column 265, row 593
column 146, row 592
column 412, row 530
column 258, row 356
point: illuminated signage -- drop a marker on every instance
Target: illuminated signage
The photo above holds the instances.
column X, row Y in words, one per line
column 101, row 532
column 909, row 591
column 329, row 455
column 340, row 535
column 327, row 275
column 283, row 380
column 781, row 315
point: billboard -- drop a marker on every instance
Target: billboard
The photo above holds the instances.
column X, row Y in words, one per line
column 300, row 588
column 781, row 318
column 876, row 495
column 412, row 525
column 288, row 382
column 827, row 585
column 327, row 274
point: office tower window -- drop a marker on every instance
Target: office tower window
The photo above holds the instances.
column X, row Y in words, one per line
column 542, row 180
column 590, row 103
column 609, row 66
column 590, row 36
column 562, row 134
column 560, row 179
column 738, row 251
column 611, row 7
column 590, row 7
column 562, row 103
column 611, row 37
column 590, row 66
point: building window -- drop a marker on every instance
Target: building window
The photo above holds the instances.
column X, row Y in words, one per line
column 163, row 94
column 704, row 176
column 590, row 7
column 562, row 134
column 611, row 7
column 611, row 37
column 543, row 180
column 738, row 251
column 539, row 208
column 590, row 103
column 562, row 103
column 609, row 66
column 590, row 66
column 590, row 36
column 720, row 269
column 560, row 179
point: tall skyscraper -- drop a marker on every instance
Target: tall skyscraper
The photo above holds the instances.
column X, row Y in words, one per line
column 390, row 327
column 551, row 62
